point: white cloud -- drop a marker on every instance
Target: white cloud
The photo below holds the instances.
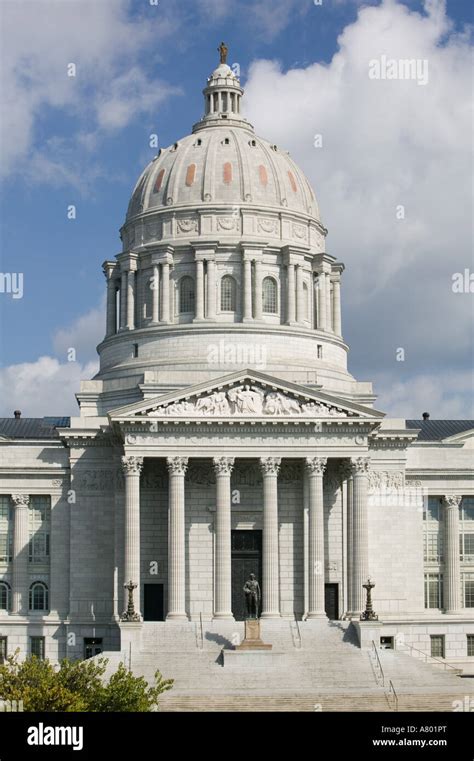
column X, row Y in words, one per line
column 40, row 38
column 43, row 387
column 386, row 143
column 445, row 395
column 82, row 335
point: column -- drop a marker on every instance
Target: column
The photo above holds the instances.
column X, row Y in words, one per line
column 299, row 294
column 223, row 600
column 322, row 301
column 315, row 467
column 211, row 288
column 132, row 467
column 123, row 299
column 199, row 289
column 155, row 293
column 346, row 473
column 247, row 289
column 336, row 304
column 290, row 296
column 452, row 566
column 21, row 536
column 360, row 532
column 258, row 290
column 328, row 302
column 111, row 323
column 131, row 300
column 271, row 564
column 315, row 302
column 165, row 292
column 177, row 467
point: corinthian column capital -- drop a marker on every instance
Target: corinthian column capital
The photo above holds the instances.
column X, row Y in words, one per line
column 177, row 466
column 316, row 466
column 360, row 465
column 131, row 465
column 270, row 465
column 452, row 500
column 223, row 465
column 20, row 500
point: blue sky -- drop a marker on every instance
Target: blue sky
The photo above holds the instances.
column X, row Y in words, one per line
column 140, row 70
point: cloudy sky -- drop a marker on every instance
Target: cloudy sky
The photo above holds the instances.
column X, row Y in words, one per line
column 392, row 176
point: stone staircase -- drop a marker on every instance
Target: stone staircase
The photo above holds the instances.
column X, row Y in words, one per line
column 323, row 670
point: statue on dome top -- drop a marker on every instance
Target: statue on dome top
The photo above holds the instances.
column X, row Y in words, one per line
column 223, row 50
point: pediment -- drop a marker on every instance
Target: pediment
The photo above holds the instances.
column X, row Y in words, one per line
column 249, row 394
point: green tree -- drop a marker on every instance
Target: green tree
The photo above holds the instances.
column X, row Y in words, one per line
column 77, row 686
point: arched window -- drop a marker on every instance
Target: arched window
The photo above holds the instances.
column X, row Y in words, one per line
column 269, row 296
column 186, row 294
column 5, row 596
column 39, row 596
column 228, row 294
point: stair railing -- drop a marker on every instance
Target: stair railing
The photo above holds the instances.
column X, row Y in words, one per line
column 432, row 658
column 378, row 665
column 201, row 644
column 392, row 691
column 297, row 639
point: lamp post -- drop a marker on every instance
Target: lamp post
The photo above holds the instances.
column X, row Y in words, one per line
column 368, row 614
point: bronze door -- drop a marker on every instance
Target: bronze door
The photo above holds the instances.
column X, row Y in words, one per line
column 246, row 559
column 331, row 601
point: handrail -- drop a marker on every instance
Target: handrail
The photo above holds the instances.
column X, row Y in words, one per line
column 432, row 657
column 391, row 688
column 377, row 661
column 202, row 635
column 299, row 634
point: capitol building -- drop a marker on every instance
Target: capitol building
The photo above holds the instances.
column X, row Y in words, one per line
column 224, row 435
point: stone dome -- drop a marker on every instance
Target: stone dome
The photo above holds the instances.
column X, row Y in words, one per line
column 226, row 165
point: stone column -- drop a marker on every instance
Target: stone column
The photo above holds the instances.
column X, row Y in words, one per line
column 177, row 467
column 360, row 532
column 21, row 536
column 223, row 601
column 346, row 473
column 322, row 301
column 315, row 467
column 131, row 300
column 271, row 564
column 132, row 467
column 155, row 292
column 199, row 289
column 247, row 289
column 111, row 323
column 290, row 295
column 452, row 565
column 315, row 300
column 258, row 307
column 165, row 292
column 336, row 304
column 123, row 300
column 299, row 294
column 211, row 289
column 328, row 302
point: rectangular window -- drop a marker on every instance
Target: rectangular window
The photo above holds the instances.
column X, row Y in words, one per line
column 433, row 547
column 467, row 509
column 470, row 644
column 432, row 509
column 468, row 590
column 437, row 645
column 466, row 544
column 37, row 647
column 39, row 526
column 433, row 590
column 6, row 529
column 3, row 648
column 92, row 646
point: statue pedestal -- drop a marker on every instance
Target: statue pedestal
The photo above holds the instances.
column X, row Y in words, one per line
column 252, row 639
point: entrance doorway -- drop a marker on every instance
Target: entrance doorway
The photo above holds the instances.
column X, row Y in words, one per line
column 331, row 601
column 246, row 559
column 92, row 646
column 153, row 609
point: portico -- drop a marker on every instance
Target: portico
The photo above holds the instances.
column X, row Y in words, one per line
column 250, row 424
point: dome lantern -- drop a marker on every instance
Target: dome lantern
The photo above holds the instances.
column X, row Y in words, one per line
column 222, row 97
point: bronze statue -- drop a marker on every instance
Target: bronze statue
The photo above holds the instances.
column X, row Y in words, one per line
column 223, row 50
column 252, row 596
